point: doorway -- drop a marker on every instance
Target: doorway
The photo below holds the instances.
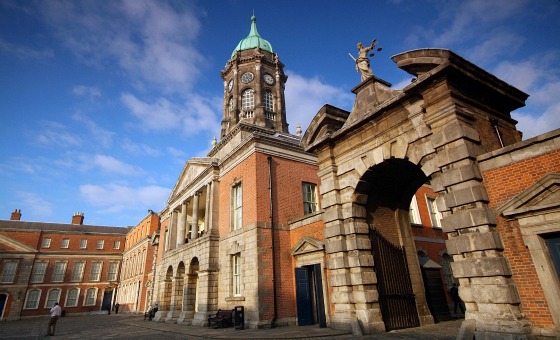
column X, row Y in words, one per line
column 3, row 302
column 107, row 298
column 309, row 296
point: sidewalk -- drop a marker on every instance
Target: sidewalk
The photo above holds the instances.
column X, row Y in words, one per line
column 126, row 326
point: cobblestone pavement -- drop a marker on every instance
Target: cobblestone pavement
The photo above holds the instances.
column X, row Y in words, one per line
column 126, row 326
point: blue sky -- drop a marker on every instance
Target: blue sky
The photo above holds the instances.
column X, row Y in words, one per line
column 102, row 102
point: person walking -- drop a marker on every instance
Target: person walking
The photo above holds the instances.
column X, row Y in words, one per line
column 117, row 308
column 55, row 314
column 454, row 291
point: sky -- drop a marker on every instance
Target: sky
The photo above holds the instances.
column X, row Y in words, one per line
column 103, row 102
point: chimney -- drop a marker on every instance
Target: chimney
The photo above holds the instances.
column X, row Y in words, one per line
column 16, row 215
column 78, row 218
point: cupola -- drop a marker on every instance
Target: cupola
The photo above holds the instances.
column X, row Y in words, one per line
column 253, row 40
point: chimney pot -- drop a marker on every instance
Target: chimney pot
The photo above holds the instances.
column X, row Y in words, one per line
column 16, row 215
column 78, row 218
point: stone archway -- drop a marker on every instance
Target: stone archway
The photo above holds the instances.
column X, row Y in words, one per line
column 167, row 291
column 451, row 113
column 191, row 298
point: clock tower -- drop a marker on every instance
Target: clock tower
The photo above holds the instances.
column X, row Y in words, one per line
column 254, row 82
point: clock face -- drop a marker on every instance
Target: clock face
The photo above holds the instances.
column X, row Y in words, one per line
column 247, row 77
column 230, row 85
column 268, row 79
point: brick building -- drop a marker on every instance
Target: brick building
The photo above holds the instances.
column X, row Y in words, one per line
column 41, row 263
column 244, row 227
column 136, row 280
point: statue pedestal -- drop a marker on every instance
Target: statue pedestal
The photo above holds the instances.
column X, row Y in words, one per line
column 369, row 94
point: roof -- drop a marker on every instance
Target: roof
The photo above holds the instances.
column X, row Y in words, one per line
column 253, row 40
column 61, row 227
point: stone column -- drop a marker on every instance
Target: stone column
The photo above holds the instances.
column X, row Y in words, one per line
column 194, row 228
column 207, row 209
column 168, row 235
column 182, row 225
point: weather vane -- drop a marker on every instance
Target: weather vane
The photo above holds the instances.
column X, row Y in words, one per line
column 362, row 62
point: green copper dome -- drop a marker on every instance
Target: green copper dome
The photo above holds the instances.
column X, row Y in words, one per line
column 253, row 40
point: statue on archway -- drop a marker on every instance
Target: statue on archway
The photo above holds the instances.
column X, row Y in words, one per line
column 362, row 62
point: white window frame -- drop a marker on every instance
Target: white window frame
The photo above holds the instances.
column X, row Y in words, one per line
column 53, row 295
column 59, row 270
column 35, row 302
column 237, row 206
column 113, row 271
column 46, row 243
column 39, row 272
column 65, row 243
column 268, row 101
column 78, row 276
column 413, row 212
column 230, row 105
column 236, row 274
column 83, row 243
column 435, row 215
column 248, row 102
column 95, row 275
column 90, row 297
column 100, row 244
column 116, row 244
column 309, row 192
column 70, row 298
column 9, row 271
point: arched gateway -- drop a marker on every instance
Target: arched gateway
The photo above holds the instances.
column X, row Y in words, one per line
column 373, row 159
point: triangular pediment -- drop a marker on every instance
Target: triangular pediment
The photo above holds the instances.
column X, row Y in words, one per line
column 307, row 245
column 541, row 196
column 10, row 245
column 191, row 171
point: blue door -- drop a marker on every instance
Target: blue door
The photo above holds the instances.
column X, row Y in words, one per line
column 303, row 297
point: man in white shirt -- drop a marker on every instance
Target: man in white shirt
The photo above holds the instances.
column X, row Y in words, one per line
column 55, row 313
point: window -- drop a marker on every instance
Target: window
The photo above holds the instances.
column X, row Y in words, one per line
column 9, row 271
column 116, row 244
column 90, row 297
column 248, row 102
column 65, row 243
column 39, row 270
column 309, row 198
column 413, row 212
column 32, row 300
column 236, row 271
column 83, row 244
column 58, row 272
column 100, row 244
column 435, row 215
column 236, row 206
column 268, row 100
column 72, row 297
column 78, row 272
column 112, row 273
column 52, row 297
column 46, row 243
column 230, row 105
column 95, row 273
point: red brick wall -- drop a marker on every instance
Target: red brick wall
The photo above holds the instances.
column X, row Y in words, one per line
column 503, row 184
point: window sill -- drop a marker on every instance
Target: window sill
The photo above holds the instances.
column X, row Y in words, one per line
column 235, row 298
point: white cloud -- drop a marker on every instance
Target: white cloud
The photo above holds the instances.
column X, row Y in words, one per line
column 112, row 165
column 113, row 198
column 151, row 40
column 37, row 205
column 196, row 115
column 25, row 52
column 98, row 134
column 88, row 91
column 54, row 134
column 139, row 148
column 304, row 98
column 533, row 124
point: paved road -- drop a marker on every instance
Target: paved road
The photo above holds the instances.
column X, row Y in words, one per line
column 126, row 326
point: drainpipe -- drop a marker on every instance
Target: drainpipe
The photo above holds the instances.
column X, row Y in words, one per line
column 494, row 123
column 269, row 158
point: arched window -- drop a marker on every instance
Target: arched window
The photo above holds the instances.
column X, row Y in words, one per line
column 268, row 100
column 230, row 105
column 32, row 299
column 90, row 297
column 72, row 297
column 52, row 297
column 248, row 102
